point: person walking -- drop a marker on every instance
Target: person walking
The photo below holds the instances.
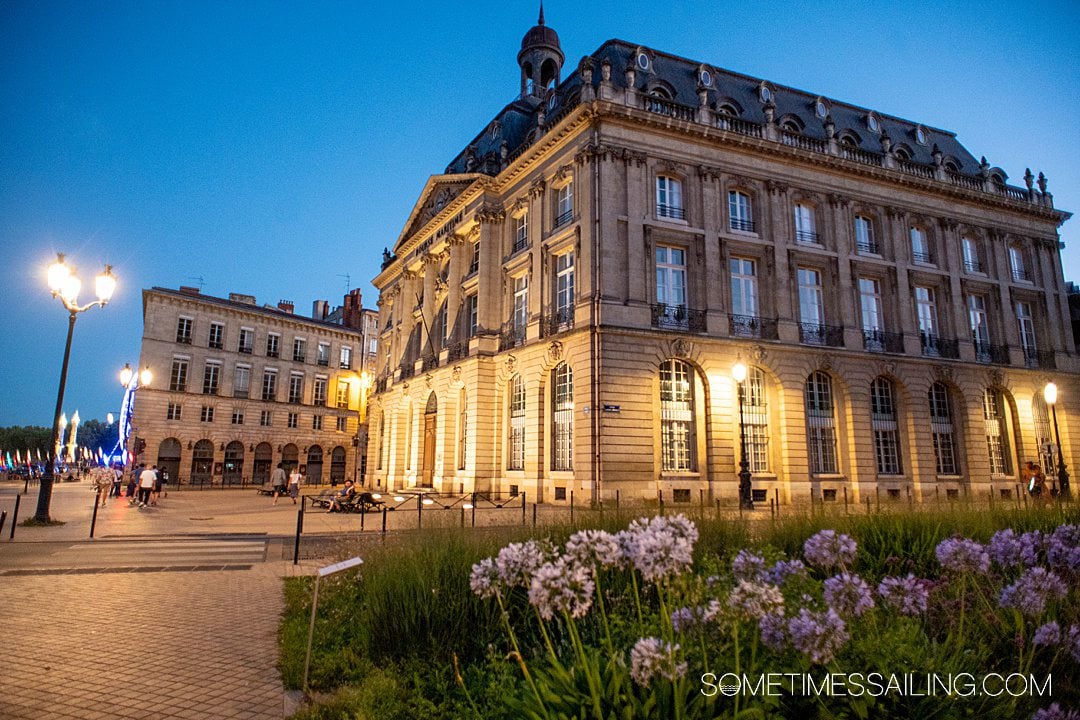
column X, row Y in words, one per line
column 277, row 481
column 118, row 480
column 146, row 484
column 294, row 483
column 156, row 493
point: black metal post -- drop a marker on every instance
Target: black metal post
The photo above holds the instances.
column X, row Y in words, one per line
column 15, row 517
column 384, row 520
column 93, row 518
column 746, row 493
column 299, row 529
column 3, row 517
column 1063, row 474
column 46, row 486
column 522, row 508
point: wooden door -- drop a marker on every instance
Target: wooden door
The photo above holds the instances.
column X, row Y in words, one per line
column 429, row 449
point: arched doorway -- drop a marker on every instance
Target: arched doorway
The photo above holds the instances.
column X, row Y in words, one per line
column 290, row 455
column 313, row 476
column 202, row 462
column 337, row 465
column 264, row 459
column 168, row 459
column 234, row 464
column 427, row 470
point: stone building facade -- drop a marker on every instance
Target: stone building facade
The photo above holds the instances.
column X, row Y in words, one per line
column 240, row 387
column 565, row 304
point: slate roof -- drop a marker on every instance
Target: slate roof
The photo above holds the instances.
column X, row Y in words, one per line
column 516, row 121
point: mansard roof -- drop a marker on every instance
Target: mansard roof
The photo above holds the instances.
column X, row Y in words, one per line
column 515, row 125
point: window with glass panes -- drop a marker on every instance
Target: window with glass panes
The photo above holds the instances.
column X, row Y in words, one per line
column 273, row 345
column 941, row 427
column 440, row 331
column 238, row 416
column 562, row 417
column 293, row 420
column 740, row 215
column 811, row 303
column 266, row 418
column 677, row 431
column 316, row 422
column 241, row 381
column 173, row 411
column 462, row 428
column 217, row 336
column 805, row 227
column 997, row 436
column 246, row 341
column 920, row 247
column 318, row 391
column 211, row 377
column 516, row 441
column 870, row 304
column 520, row 319
column 322, row 354
column 206, row 414
column 564, row 288
column 521, row 231
column 382, row 441
column 183, row 330
column 756, row 420
column 474, row 257
column 883, row 421
column 178, row 375
column 926, row 311
column 471, row 306
column 669, row 202
column 299, row 349
column 1047, row 449
column 744, row 295
column 970, row 248
column 564, row 204
column 980, row 326
column 820, row 424
column 864, row 235
column 343, row 391
column 296, row 388
column 341, row 424
column 1017, row 264
column 269, row 385
column 346, row 357
column 671, row 283
column 1025, row 323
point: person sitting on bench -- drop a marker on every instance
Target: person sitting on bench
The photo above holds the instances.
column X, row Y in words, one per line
column 344, row 496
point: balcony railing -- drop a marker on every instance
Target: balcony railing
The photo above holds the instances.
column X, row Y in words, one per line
column 564, row 217
column 512, row 335
column 906, row 166
column 807, row 237
column 272, row 353
column 408, row 369
column 183, row 339
column 988, row 353
column 1021, row 275
column 670, row 109
column 1036, row 359
column 519, row 245
column 881, row 341
column 936, row 346
column 457, row 351
column 559, row 321
column 866, row 246
column 323, row 362
column 736, row 125
column 817, row 334
column 674, row 212
column 677, row 317
column 380, row 385
column 740, row 224
column 244, row 349
column 922, row 256
column 753, row 326
column 803, row 142
column 860, row 156
column 215, row 345
column 972, row 266
column 240, row 393
column 430, row 362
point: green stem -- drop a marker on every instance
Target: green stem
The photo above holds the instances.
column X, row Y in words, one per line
column 603, row 612
column 519, row 656
column 591, row 676
column 637, row 600
column 738, row 664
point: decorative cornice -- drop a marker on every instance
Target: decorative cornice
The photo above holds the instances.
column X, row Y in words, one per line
column 490, row 214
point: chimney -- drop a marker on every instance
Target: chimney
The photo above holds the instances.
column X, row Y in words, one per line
column 320, row 309
column 351, row 315
column 241, row 298
column 285, row 306
column 186, row 290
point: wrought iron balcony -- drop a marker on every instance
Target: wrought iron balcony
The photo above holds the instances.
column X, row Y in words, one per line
column 922, row 256
column 559, row 321
column 987, row 353
column 1021, row 275
column 936, row 346
column 740, row 224
column 817, row 334
column 457, row 351
column 240, row 393
column 867, row 246
column 677, row 317
column 430, row 362
column 244, row 349
column 753, row 326
column 511, row 336
column 881, row 341
column 807, row 237
column 674, row 212
column 519, row 244
column 1036, row 359
column 564, row 218
column 972, row 266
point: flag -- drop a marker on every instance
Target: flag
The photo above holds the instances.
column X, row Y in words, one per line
column 39, row 454
column 18, row 458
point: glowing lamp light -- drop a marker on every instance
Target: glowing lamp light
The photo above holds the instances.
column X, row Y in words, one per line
column 109, row 418
column 1050, row 393
column 428, row 501
column 58, row 273
column 63, row 420
column 69, row 289
column 125, row 375
column 145, row 376
column 738, row 372
column 105, row 285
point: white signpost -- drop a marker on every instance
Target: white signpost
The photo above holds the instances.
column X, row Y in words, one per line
column 322, row 572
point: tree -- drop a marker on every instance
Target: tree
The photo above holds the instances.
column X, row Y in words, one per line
column 22, row 438
column 94, row 434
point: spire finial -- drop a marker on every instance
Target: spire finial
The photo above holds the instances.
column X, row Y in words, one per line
column 541, row 20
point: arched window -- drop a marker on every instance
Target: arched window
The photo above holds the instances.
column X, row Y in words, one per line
column 202, row 461
column 820, row 424
column 337, row 465
column 941, row 425
column 463, row 425
column 562, row 417
column 516, row 427
column 264, row 458
column 756, row 420
column 1043, row 439
column 313, row 476
column 677, row 437
column 883, row 420
column 997, row 432
column 234, row 463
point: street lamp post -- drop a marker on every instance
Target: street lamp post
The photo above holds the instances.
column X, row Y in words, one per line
column 746, row 494
column 64, row 284
column 1050, row 395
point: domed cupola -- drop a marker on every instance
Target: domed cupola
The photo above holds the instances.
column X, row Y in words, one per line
column 541, row 59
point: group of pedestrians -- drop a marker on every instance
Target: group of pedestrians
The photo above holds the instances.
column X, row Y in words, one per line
column 278, row 479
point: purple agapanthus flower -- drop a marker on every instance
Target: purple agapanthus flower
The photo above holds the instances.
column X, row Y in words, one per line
column 1055, row 712
column 1047, row 634
column 1004, row 548
column 961, row 555
column 773, row 628
column 1032, row 591
column 784, row 569
column 1032, row 545
column 748, row 565
column 1063, row 549
column 828, row 549
column 848, row 594
column 907, row 595
column 818, row 635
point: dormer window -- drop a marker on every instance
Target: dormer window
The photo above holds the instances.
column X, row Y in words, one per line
column 705, row 78
column 552, row 101
column 920, row 135
column 765, row 93
column 902, row 154
column 821, row 109
column 643, row 61
column 951, row 166
column 873, row 123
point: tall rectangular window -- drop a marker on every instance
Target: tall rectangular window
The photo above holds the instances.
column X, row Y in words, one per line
column 997, row 436
column 564, row 204
column 241, row 381
column 322, row 354
column 266, row 418
column 238, row 416
column 521, row 231
column 341, row 424
column 178, row 375
column 273, row 345
column 811, row 306
column 206, row 414
column 316, row 422
column 883, row 421
column 520, row 319
column 820, row 424
column 564, row 288
column 926, row 312
column 805, row 227
column 293, row 420
column 343, row 392
column 216, row 340
column 864, row 235
column 318, row 392
column 299, row 349
column 941, row 425
column 873, row 326
column 669, row 203
column 183, row 330
column 516, row 461
column 1017, row 264
column 677, row 436
column 471, row 319
column 744, row 296
column 970, row 249
column 740, row 211
column 346, row 357
column 920, row 247
column 211, row 377
column 173, row 411
column 296, row 388
column 1025, row 323
column 269, row 384
column 246, row 341
column 980, row 326
column 562, row 417
column 474, row 257
column 756, row 420
column 671, row 286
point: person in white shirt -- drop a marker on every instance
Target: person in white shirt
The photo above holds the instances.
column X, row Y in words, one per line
column 146, row 484
column 294, row 483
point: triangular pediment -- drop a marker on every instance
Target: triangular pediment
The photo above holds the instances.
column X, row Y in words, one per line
column 439, row 192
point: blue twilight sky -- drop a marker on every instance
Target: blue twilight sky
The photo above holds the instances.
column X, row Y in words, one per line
column 272, row 148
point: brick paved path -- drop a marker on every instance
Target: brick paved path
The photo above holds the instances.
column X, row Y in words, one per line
column 141, row 645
